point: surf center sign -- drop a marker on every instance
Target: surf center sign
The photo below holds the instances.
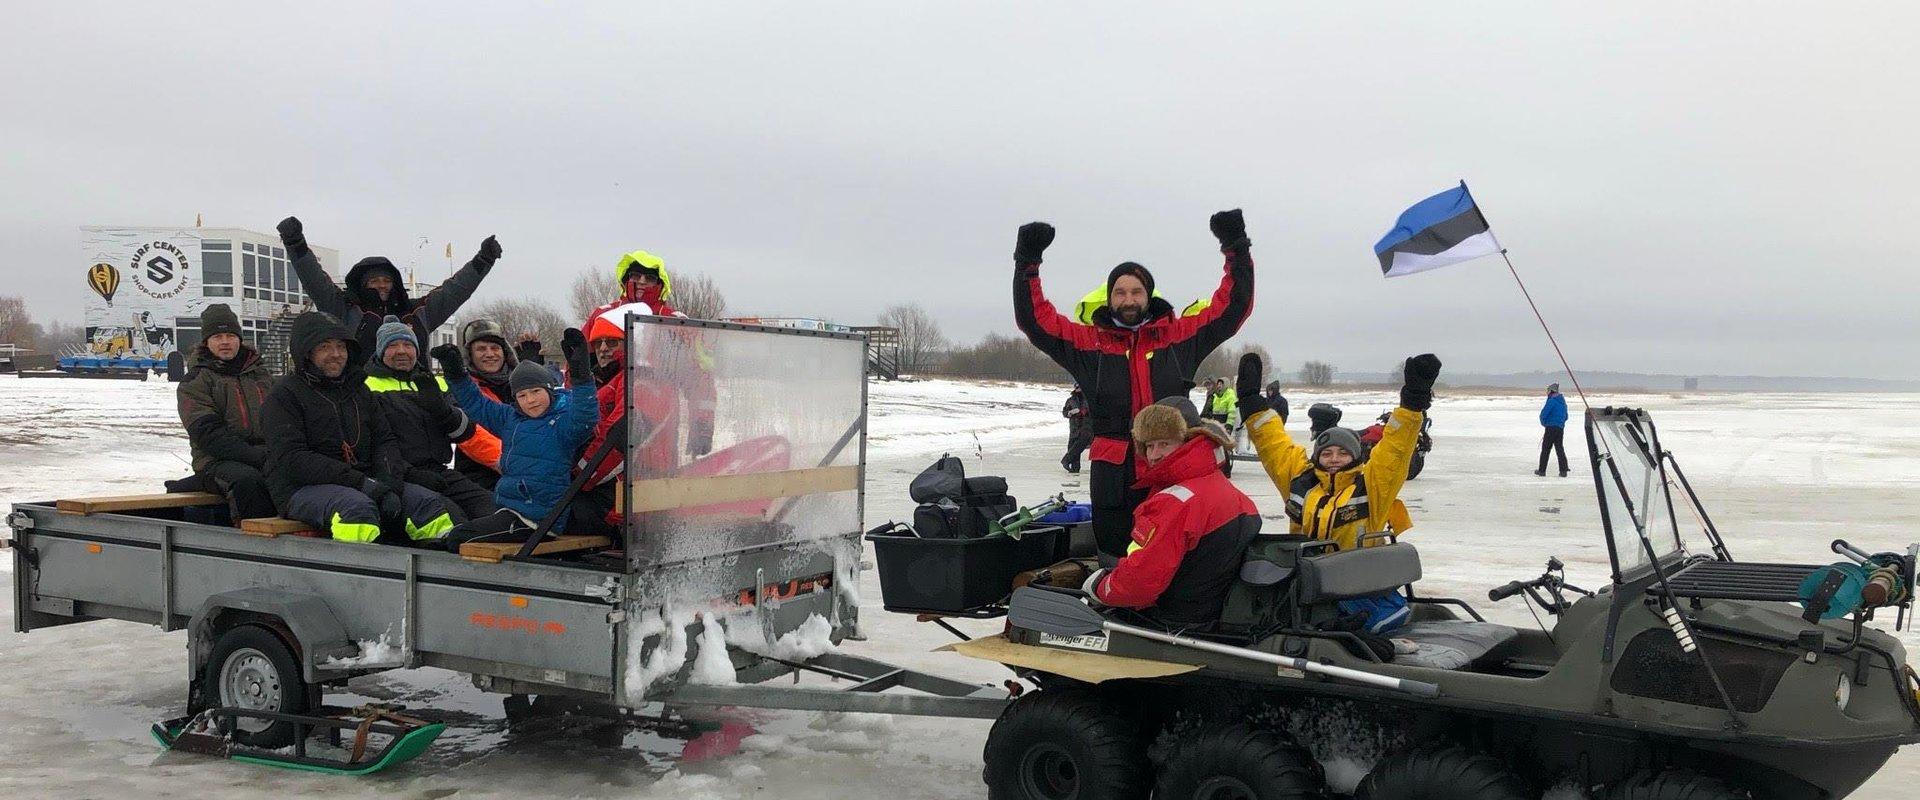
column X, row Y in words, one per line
column 139, row 281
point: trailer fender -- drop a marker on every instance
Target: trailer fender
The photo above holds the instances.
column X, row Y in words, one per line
column 316, row 633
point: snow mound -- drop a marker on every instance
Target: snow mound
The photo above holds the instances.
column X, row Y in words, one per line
column 710, row 663
column 377, row 653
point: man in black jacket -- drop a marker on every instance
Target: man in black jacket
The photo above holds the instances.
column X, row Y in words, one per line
column 1078, row 437
column 1137, row 350
column 374, row 290
column 220, row 407
column 424, row 424
column 332, row 462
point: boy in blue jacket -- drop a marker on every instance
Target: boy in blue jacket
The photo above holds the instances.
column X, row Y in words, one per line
column 539, row 435
column 1553, row 418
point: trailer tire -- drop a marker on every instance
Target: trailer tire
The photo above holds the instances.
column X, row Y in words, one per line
column 251, row 667
column 1066, row 745
column 1673, row 784
column 1239, row 762
column 1448, row 772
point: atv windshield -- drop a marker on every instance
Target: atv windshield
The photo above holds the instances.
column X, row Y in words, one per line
column 1635, row 506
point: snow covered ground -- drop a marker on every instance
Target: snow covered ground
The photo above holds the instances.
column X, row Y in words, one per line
column 1781, row 474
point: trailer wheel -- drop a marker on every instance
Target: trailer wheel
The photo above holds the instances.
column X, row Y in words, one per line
column 251, row 668
column 1673, row 784
column 1066, row 745
column 1239, row 762
column 1448, row 772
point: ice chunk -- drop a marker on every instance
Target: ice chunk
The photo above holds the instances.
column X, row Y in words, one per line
column 710, row 664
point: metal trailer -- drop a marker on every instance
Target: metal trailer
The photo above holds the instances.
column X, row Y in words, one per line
column 786, row 548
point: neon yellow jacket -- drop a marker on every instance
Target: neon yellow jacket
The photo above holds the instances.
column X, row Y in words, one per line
column 1340, row 506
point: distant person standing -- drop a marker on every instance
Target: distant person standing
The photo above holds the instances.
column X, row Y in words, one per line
column 1079, row 436
column 1553, row 419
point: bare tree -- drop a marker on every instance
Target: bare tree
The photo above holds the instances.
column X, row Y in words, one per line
column 591, row 288
column 517, row 316
column 1316, row 373
column 59, row 337
column 920, row 337
column 699, row 297
column 16, row 325
column 1004, row 357
column 1225, row 362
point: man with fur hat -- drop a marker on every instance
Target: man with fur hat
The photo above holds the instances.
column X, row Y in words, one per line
column 424, row 425
column 1190, row 532
column 375, row 291
column 646, row 287
column 332, row 460
column 1137, row 349
column 1336, row 491
column 220, row 406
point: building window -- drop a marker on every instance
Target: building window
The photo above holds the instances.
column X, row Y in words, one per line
column 248, row 273
column 219, row 291
column 216, row 267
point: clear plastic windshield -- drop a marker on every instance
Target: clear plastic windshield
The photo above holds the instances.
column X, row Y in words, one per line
column 740, row 437
column 1633, row 494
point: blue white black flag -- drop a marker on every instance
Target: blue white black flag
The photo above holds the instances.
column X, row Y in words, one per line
column 1446, row 228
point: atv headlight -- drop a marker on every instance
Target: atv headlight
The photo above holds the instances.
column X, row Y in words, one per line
column 1843, row 692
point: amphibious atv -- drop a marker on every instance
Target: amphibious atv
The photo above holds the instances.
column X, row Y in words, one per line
column 1692, row 676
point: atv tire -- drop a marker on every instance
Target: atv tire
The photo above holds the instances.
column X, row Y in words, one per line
column 1066, row 745
column 1672, row 784
column 1239, row 762
column 1448, row 772
column 250, row 667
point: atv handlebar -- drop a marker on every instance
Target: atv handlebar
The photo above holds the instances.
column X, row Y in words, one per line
column 1510, row 590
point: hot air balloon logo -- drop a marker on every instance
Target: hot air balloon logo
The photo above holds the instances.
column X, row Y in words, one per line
column 105, row 280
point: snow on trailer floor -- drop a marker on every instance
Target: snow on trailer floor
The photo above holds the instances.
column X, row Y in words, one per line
column 1782, row 475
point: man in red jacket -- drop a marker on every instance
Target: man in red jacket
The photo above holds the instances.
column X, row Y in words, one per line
column 1137, row 350
column 1189, row 535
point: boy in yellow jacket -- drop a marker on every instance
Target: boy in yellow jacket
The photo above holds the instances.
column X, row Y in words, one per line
column 1335, row 491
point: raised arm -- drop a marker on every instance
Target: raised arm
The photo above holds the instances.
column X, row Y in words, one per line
column 1233, row 300
column 314, row 280
column 438, row 306
column 1386, row 467
column 493, row 415
column 1266, row 428
column 583, row 414
column 1056, row 335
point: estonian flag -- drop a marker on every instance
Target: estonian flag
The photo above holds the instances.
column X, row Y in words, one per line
column 1446, row 228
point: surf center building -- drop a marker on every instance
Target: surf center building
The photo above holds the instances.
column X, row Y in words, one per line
column 147, row 286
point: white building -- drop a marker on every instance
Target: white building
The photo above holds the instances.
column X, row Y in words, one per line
column 149, row 285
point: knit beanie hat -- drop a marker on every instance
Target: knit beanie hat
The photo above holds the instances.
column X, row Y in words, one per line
column 1343, row 438
column 1553, row 387
column 216, row 319
column 1130, row 268
column 392, row 330
column 529, row 375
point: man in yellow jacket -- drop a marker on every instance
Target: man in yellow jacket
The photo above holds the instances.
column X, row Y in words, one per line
column 1334, row 491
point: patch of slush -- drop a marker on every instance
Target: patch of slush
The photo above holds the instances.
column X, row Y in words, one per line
column 378, row 653
column 711, row 664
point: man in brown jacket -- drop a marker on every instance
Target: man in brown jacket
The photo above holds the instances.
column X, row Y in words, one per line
column 220, row 406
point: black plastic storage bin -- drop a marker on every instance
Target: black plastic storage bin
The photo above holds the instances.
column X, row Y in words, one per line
column 956, row 576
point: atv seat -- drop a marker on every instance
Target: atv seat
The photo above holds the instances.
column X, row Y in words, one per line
column 1453, row 644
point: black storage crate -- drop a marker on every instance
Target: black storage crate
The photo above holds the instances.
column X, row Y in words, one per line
column 956, row 576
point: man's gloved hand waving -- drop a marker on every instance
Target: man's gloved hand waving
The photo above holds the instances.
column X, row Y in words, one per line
column 489, row 253
column 294, row 236
column 1421, row 371
column 1032, row 242
column 1230, row 227
column 450, row 364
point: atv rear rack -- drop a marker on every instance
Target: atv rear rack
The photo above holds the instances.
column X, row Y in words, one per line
column 1736, row 580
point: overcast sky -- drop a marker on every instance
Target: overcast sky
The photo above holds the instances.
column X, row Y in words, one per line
column 1691, row 188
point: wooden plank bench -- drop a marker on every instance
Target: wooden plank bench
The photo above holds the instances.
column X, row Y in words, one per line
column 269, row 527
column 494, row 552
column 136, row 502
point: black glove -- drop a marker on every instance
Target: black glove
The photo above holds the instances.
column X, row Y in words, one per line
column 1033, row 240
column 573, row 344
column 450, row 364
column 293, row 235
column 1230, row 228
column 428, row 395
column 489, row 253
column 391, row 506
column 375, row 490
column 528, row 350
column 1324, row 416
column 700, row 437
column 1246, row 387
column 1421, row 370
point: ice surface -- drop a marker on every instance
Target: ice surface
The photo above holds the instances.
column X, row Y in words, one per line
column 1782, row 474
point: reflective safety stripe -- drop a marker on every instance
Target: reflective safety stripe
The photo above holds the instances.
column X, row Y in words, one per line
column 434, row 529
column 1261, row 419
column 359, row 532
column 1181, row 493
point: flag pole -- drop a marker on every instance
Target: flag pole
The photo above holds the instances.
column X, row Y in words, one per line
column 1536, row 310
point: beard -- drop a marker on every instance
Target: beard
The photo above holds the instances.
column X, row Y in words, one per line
column 1130, row 315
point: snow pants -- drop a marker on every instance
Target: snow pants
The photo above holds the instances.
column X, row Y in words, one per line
column 473, row 500
column 1551, row 442
column 350, row 516
column 245, row 488
column 1111, row 492
column 504, row 525
column 1079, row 437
